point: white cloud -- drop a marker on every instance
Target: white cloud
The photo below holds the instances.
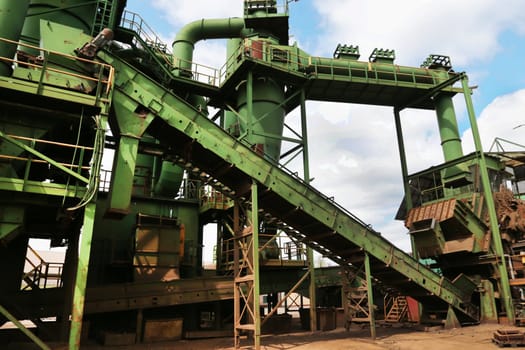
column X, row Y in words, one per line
column 182, row 12
column 502, row 118
column 466, row 30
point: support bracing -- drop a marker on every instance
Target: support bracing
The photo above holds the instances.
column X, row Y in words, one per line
column 247, row 317
column 79, row 295
column 489, row 200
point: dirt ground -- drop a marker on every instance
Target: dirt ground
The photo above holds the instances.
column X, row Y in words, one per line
column 388, row 338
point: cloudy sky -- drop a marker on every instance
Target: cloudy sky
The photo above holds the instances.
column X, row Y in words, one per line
column 353, row 149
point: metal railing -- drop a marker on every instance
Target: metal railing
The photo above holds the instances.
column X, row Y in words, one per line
column 279, row 248
column 198, row 72
column 103, row 77
column 210, row 198
column 266, row 6
column 42, row 274
column 76, row 164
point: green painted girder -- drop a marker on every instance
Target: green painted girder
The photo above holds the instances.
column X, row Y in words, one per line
column 43, row 157
column 349, row 81
column 282, row 195
column 34, row 88
column 38, row 187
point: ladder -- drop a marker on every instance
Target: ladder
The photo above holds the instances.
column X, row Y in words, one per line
column 398, row 311
column 104, row 16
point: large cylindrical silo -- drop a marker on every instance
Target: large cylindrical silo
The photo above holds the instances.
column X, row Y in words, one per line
column 73, row 13
column 265, row 125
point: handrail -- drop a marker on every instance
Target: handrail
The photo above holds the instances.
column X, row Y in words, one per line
column 108, row 82
column 43, row 271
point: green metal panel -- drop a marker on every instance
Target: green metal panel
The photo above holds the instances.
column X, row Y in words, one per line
column 72, row 13
column 12, row 14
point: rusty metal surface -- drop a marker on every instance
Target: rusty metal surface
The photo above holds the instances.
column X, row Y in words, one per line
column 511, row 213
column 440, row 211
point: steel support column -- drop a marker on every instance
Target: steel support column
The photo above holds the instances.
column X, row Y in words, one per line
column 77, row 311
column 310, row 252
column 404, row 172
column 247, row 316
column 489, row 200
column 255, row 256
column 370, row 293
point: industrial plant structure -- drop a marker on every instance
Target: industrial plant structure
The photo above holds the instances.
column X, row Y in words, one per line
column 80, row 79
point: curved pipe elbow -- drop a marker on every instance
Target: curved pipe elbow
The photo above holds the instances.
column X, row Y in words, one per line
column 210, row 29
column 186, row 38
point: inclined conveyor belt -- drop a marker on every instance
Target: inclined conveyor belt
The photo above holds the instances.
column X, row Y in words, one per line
column 304, row 213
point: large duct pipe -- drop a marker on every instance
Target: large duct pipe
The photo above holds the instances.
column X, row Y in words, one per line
column 198, row 30
column 448, row 128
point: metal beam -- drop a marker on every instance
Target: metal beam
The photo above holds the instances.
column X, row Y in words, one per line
column 24, row 330
column 489, row 201
column 43, row 156
column 77, row 311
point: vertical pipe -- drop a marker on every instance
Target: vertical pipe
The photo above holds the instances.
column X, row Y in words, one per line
column 310, row 252
column 370, row 294
column 489, row 200
column 448, row 127
column 249, row 103
column 79, row 295
column 256, row 276
column 404, row 171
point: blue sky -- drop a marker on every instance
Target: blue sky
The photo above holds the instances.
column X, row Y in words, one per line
column 353, row 151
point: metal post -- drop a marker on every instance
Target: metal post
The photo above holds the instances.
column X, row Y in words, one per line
column 255, row 251
column 304, row 134
column 77, row 311
column 370, row 297
column 236, row 273
column 489, row 200
column 310, row 252
column 249, row 104
column 404, row 172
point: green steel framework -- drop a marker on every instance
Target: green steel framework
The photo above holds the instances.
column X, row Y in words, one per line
column 270, row 188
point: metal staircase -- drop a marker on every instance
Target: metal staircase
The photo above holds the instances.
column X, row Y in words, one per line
column 42, row 274
column 397, row 307
column 199, row 145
